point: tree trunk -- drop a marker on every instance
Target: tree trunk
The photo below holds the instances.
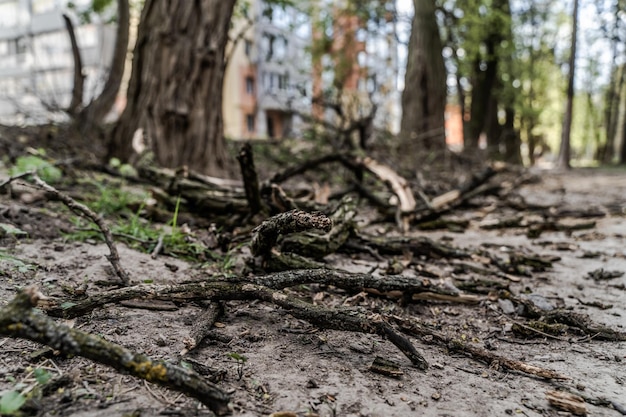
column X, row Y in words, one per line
column 79, row 78
column 175, row 90
column 622, row 150
column 424, row 95
column 611, row 104
column 512, row 139
column 564, row 153
column 95, row 112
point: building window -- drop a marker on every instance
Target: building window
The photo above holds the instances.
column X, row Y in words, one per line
column 250, row 122
column 43, row 6
column 249, row 85
column 283, row 81
column 4, row 48
column 248, row 47
column 268, row 43
column 8, row 14
column 21, row 45
column 280, row 47
column 270, row 127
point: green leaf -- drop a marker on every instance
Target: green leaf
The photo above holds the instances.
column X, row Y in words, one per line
column 11, row 401
column 237, row 357
column 45, row 169
column 42, row 376
column 9, row 229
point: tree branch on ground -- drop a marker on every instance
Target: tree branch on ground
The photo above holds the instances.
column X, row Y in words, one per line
column 83, row 210
column 19, row 319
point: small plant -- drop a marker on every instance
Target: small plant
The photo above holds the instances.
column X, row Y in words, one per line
column 125, row 170
column 48, row 172
column 17, row 263
column 241, row 361
column 12, row 400
column 114, row 200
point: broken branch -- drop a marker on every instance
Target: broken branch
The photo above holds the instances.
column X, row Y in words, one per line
column 19, row 319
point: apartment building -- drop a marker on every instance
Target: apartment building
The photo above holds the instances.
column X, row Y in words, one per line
column 274, row 84
column 358, row 68
column 267, row 85
column 36, row 64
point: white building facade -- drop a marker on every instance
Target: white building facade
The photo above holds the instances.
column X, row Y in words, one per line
column 36, row 63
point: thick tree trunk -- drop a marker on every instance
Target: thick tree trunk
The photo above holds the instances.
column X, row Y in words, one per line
column 482, row 86
column 79, row 78
column 424, row 95
column 564, row 153
column 95, row 112
column 175, row 91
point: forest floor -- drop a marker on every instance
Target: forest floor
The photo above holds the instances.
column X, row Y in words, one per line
column 293, row 366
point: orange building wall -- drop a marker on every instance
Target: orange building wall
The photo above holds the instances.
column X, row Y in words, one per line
column 454, row 126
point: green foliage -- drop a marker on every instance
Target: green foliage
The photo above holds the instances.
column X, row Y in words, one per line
column 11, row 402
column 236, row 356
column 241, row 361
column 42, row 376
column 114, row 199
column 17, row 263
column 9, row 229
column 140, row 234
column 126, row 170
column 97, row 7
column 48, row 172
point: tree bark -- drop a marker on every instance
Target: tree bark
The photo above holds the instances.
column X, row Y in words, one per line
column 424, row 95
column 79, row 78
column 175, row 91
column 95, row 112
column 564, row 153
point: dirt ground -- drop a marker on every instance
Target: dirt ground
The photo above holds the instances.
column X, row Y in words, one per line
column 292, row 366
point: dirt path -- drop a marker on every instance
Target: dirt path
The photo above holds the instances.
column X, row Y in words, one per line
column 294, row 366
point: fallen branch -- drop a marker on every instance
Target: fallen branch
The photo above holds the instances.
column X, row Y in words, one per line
column 250, row 178
column 19, row 319
column 316, row 245
column 416, row 329
column 346, row 160
column 216, row 288
column 201, row 327
column 398, row 185
column 113, row 257
column 336, row 319
column 447, row 201
column 83, row 210
column 266, row 234
column 418, row 246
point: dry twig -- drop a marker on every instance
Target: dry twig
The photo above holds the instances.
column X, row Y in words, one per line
column 113, row 257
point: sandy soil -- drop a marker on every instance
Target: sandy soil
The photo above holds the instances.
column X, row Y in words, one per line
column 292, row 366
